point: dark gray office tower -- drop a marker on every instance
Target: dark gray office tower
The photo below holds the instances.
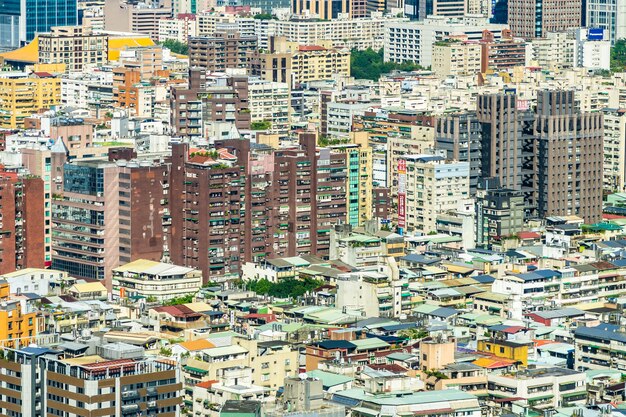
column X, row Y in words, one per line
column 502, row 139
column 500, row 212
column 568, row 153
column 460, row 136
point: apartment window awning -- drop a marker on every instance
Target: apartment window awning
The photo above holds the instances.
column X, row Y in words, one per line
column 193, row 370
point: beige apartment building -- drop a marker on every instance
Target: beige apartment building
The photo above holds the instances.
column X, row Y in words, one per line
column 123, row 16
column 270, row 362
column 455, row 57
column 295, row 64
column 431, row 186
column 75, row 46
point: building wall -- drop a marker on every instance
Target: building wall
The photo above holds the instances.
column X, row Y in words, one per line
column 534, row 19
column 21, row 96
column 221, row 51
column 456, row 59
column 516, row 353
column 614, row 150
column 77, row 47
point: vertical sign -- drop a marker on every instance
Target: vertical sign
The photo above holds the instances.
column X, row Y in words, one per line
column 401, row 195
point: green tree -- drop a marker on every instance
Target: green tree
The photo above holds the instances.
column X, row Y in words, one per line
column 370, row 64
column 618, row 56
column 265, row 16
column 176, row 46
column 286, row 288
column 184, row 299
column 260, row 125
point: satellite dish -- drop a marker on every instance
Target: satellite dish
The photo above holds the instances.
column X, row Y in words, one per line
column 303, row 376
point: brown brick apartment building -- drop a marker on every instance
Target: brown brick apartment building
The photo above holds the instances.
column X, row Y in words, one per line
column 272, row 203
column 21, row 222
column 223, row 50
column 225, row 99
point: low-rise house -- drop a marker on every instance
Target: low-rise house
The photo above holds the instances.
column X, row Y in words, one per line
column 331, row 382
column 463, row 376
column 157, row 280
column 271, row 362
column 234, row 384
column 541, row 388
column 88, row 291
column 394, row 404
column 600, row 347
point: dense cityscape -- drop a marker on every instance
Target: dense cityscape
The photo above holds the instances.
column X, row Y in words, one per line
column 303, row 208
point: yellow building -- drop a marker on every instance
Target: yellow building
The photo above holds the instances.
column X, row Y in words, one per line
column 295, row 64
column 507, row 349
column 14, row 324
column 23, row 94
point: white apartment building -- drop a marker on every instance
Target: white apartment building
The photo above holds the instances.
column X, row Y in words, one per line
column 84, row 90
column 372, row 293
column 179, row 29
column 456, row 58
column 609, row 15
column 340, row 117
column 556, row 49
column 542, row 387
column 432, row 186
column 34, row 280
column 209, row 23
column 593, row 49
column 565, row 287
column 414, row 41
column 600, row 347
column 349, row 33
column 615, row 150
column 269, row 101
column 162, row 281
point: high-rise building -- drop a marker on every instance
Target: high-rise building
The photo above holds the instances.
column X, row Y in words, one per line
column 609, row 15
column 40, row 16
column 21, row 222
column 269, row 102
column 108, row 214
column 535, row 18
column 614, row 150
column 206, row 214
column 76, row 47
column 133, row 16
column 459, row 135
column 568, row 157
column 414, row 41
column 324, row 9
column 296, row 64
column 429, row 185
column 223, row 50
column 9, row 24
column 501, row 139
column 421, row 9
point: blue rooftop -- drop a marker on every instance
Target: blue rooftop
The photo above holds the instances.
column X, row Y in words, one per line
column 604, row 331
column 37, row 351
column 484, row 279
